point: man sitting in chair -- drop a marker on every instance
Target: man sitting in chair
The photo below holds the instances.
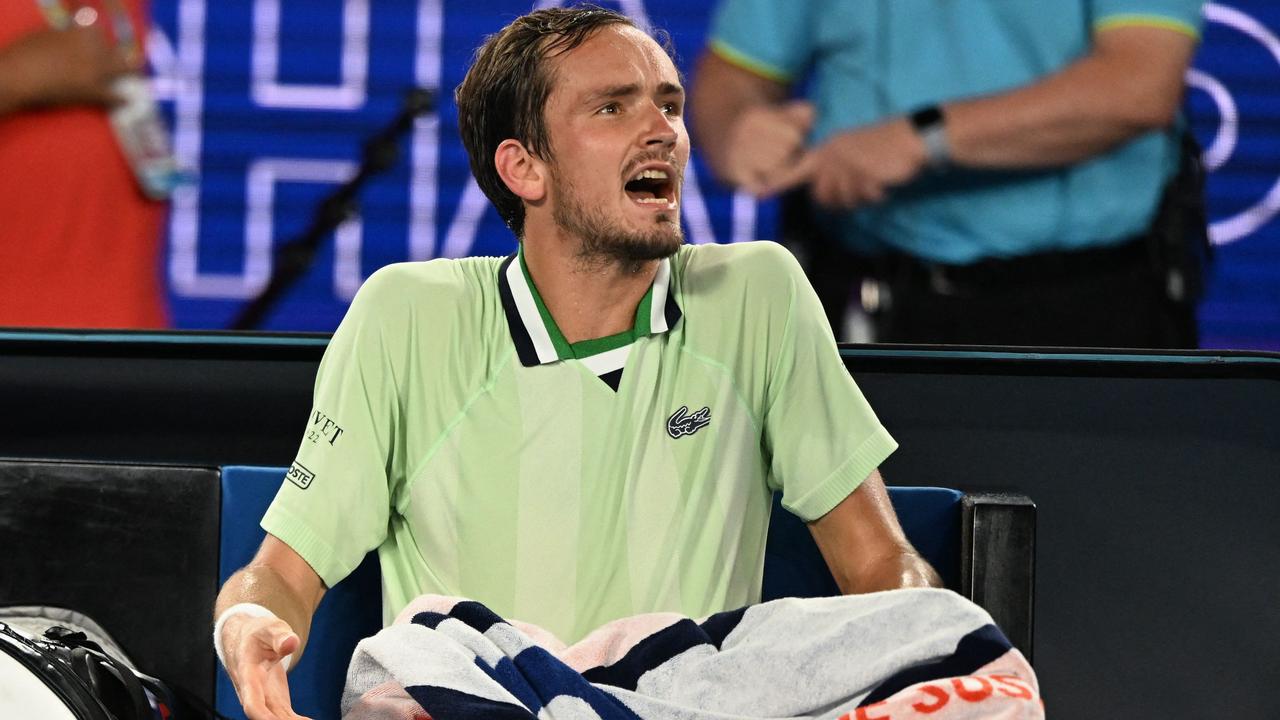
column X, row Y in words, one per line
column 587, row 429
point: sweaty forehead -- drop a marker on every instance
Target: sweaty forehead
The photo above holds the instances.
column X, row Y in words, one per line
column 615, row 54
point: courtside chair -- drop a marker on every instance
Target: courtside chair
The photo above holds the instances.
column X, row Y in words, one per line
column 983, row 546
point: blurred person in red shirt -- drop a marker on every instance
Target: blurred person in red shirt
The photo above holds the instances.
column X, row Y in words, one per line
column 80, row 244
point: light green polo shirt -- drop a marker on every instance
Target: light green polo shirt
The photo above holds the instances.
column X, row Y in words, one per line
column 456, row 431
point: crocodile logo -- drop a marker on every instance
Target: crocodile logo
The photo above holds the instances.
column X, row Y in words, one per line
column 682, row 422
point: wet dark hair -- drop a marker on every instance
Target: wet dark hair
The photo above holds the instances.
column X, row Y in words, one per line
column 505, row 92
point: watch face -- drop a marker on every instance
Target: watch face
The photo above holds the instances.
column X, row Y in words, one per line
column 926, row 117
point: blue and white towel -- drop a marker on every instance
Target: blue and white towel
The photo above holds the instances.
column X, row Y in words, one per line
column 884, row 656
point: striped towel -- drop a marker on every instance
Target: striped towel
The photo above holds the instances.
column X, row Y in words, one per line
column 896, row 655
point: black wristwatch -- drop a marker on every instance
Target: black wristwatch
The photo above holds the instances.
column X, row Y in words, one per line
column 930, row 124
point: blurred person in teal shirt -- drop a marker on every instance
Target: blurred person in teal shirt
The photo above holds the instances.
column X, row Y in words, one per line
column 998, row 168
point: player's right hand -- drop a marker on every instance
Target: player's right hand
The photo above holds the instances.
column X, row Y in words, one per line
column 254, row 649
column 76, row 66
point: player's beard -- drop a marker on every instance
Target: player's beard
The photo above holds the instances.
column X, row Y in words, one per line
column 606, row 241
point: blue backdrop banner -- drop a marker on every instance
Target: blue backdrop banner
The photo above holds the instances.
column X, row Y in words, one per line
column 270, row 102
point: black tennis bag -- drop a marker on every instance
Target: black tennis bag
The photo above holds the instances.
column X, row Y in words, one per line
column 66, row 673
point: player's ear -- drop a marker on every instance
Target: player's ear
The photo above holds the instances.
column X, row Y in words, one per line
column 524, row 174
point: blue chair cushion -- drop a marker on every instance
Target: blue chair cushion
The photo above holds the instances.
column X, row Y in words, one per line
column 350, row 612
column 793, row 566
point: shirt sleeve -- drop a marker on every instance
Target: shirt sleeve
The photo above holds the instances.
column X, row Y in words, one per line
column 335, row 502
column 1183, row 16
column 769, row 38
column 822, row 435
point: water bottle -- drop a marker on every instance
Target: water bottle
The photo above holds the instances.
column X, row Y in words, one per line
column 143, row 137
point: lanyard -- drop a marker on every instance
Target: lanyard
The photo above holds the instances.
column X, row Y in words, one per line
column 55, row 11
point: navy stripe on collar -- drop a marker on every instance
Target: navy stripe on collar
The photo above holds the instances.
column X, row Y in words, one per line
column 519, row 335
column 529, row 333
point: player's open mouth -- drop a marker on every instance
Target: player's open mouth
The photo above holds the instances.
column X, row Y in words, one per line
column 652, row 187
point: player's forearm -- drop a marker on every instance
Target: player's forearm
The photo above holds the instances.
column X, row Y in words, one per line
column 1088, row 108
column 891, row 572
column 261, row 585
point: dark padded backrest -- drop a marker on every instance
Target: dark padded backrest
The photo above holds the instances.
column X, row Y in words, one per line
column 352, row 610
column 134, row 547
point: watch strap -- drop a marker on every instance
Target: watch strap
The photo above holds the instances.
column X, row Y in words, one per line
column 930, row 125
